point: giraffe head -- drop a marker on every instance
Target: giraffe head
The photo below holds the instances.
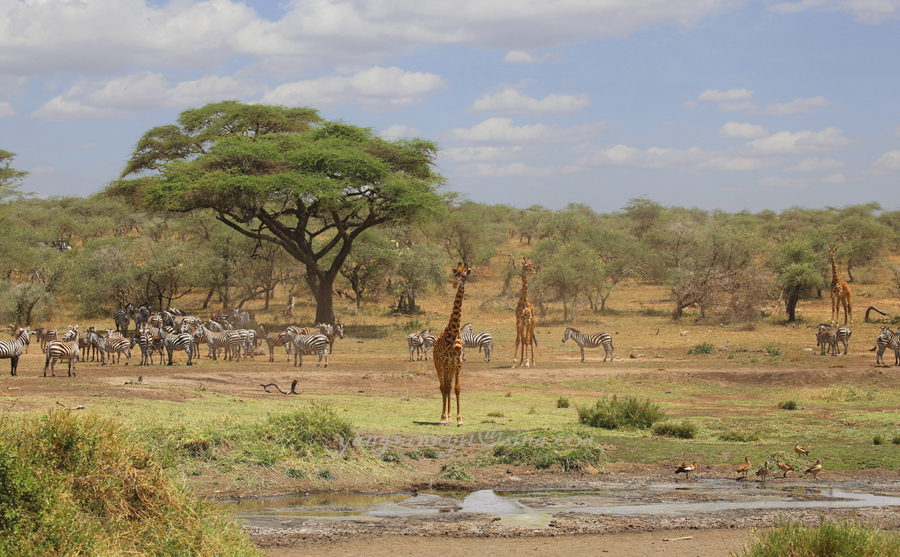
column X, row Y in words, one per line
column 831, row 251
column 461, row 274
column 527, row 266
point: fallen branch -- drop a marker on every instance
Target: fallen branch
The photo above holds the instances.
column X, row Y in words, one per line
column 79, row 407
column 293, row 388
column 678, row 539
column 876, row 310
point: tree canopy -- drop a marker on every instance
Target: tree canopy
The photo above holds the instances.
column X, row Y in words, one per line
column 284, row 176
column 10, row 178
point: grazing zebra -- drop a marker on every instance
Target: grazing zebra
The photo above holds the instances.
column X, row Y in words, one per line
column 415, row 343
column 178, row 341
column 828, row 338
column 590, row 341
column 274, row 340
column 61, row 350
column 107, row 345
column 317, row 343
column 886, row 339
column 229, row 340
column 12, row 349
column 471, row 339
column 428, row 340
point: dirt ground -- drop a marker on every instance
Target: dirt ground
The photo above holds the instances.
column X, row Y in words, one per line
column 353, row 370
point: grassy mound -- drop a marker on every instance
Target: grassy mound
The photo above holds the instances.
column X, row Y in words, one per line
column 74, row 485
column 627, row 412
column 845, row 539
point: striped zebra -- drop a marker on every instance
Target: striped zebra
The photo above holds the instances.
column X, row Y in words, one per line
column 13, row 349
column 61, row 350
column 428, row 340
column 46, row 335
column 828, row 338
column 274, row 340
column 248, row 341
column 415, row 343
column 471, row 339
column 122, row 320
column 177, row 341
column 337, row 331
column 145, row 342
column 109, row 346
column 230, row 341
column 590, row 341
column 317, row 343
column 886, row 339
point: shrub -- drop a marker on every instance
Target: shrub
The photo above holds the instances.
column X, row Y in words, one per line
column 74, row 485
column 614, row 412
column 577, row 458
column 562, row 402
column 895, row 440
column 428, row 452
column 391, row 455
column 878, row 440
column 684, row 430
column 454, row 471
column 702, row 348
column 844, row 538
column 325, row 474
column 310, row 430
column 771, row 350
column 788, row 405
column 739, row 436
column 295, row 473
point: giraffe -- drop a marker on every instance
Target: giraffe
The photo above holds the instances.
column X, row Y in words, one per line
column 840, row 293
column 447, row 355
column 525, row 320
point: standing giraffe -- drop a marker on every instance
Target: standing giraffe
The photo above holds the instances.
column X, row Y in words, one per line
column 840, row 293
column 447, row 355
column 525, row 320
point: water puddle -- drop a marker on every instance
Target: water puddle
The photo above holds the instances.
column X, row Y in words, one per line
column 537, row 508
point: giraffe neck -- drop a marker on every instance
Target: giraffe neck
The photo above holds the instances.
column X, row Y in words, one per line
column 834, row 273
column 453, row 325
column 524, row 297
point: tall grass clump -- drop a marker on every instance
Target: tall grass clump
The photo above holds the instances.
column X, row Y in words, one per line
column 844, row 539
column 541, row 455
column 311, row 431
column 75, row 485
column 703, row 348
column 684, row 430
column 626, row 412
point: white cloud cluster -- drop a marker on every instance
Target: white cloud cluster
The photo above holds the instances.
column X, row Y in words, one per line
column 866, row 11
column 513, row 101
column 742, row 131
column 521, row 57
column 888, row 162
column 741, row 100
column 503, row 130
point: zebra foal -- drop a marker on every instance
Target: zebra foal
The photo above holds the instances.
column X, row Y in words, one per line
column 590, row 341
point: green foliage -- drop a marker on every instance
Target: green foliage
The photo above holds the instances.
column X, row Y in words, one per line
column 562, row 402
column 74, row 485
column 428, row 452
column 626, row 412
column 878, row 439
column 454, row 471
column 10, row 178
column 544, row 455
column 295, row 473
column 684, row 430
column 788, row 405
column 392, row 455
column 772, row 350
column 841, row 539
column 895, row 440
column 739, row 436
column 311, row 430
column 703, row 348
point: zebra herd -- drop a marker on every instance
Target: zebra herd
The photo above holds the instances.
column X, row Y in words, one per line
column 420, row 343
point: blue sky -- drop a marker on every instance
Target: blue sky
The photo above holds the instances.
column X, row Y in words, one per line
column 713, row 104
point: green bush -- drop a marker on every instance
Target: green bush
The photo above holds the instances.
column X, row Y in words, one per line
column 562, row 402
column 878, row 440
column 772, row 350
column 454, row 471
column 614, row 412
column 684, row 430
column 739, row 436
column 702, row 348
column 74, row 485
column 309, row 431
column 843, row 539
column 895, row 440
column 391, row 455
column 541, row 457
column 788, row 405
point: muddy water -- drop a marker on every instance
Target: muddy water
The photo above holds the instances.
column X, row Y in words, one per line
column 537, row 508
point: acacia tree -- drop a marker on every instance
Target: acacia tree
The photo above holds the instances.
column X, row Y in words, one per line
column 283, row 176
column 10, row 178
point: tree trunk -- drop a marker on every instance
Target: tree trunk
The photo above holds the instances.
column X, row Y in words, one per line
column 790, row 305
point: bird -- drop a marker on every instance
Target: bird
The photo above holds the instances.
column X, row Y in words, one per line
column 764, row 471
column 686, row 468
column 814, row 469
column 785, row 467
column 745, row 467
column 800, row 450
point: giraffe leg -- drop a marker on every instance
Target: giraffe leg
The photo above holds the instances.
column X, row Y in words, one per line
column 459, row 420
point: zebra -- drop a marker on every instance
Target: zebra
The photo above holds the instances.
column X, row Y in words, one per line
column 886, row 339
column 471, row 339
column 415, row 343
column 248, row 341
column 317, row 343
column 229, row 340
column 12, row 349
column 428, row 340
column 274, row 340
column 830, row 337
column 73, row 334
column 178, row 341
column 145, row 341
column 337, row 332
column 61, row 350
column 590, row 341
column 45, row 335
column 106, row 345
column 121, row 319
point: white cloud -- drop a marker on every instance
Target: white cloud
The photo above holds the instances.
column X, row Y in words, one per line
column 502, row 130
column 6, row 109
column 865, row 11
column 378, row 89
column 888, row 162
column 469, row 154
column 730, row 95
column 514, row 170
column 512, row 101
column 742, row 131
column 399, row 131
column 797, row 105
column 815, row 164
column 521, row 57
column 60, row 109
column 834, row 179
column 787, row 143
column 779, row 182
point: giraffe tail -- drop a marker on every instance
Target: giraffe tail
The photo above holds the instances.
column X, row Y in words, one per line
column 534, row 339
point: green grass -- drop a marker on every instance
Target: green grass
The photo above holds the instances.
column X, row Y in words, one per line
column 702, row 348
column 626, row 412
column 844, row 539
column 545, row 449
column 683, row 430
